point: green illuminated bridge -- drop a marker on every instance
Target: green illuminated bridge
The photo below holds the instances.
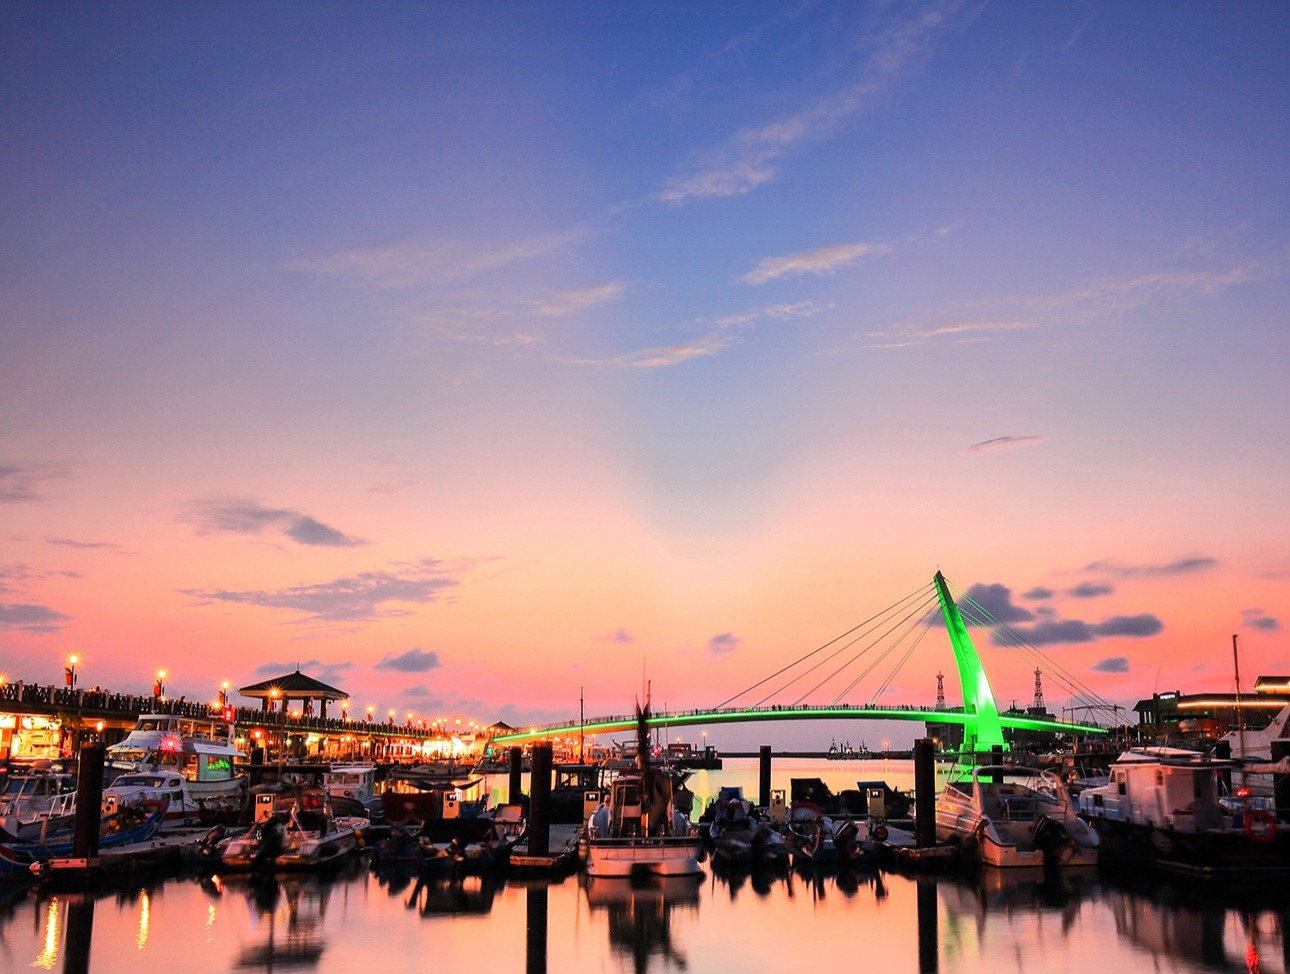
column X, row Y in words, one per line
column 731, row 715
column 982, row 722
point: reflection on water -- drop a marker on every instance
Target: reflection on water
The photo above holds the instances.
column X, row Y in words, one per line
column 639, row 915
column 730, row 919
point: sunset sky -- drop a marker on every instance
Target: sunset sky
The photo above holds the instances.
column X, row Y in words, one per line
column 470, row 355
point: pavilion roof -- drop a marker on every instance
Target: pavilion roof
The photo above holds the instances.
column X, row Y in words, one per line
column 295, row 684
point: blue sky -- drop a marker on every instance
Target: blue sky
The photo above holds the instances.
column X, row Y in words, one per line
column 674, row 320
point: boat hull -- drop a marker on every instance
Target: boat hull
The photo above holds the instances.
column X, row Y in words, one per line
column 654, row 856
column 1214, row 853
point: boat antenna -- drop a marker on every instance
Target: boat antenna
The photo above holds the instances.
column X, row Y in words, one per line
column 582, row 723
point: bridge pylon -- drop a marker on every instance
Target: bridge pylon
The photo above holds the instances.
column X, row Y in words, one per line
column 986, row 731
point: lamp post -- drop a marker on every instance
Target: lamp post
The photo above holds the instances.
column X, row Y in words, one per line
column 159, row 687
column 223, row 694
column 70, row 671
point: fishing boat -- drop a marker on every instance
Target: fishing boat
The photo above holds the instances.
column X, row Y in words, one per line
column 1184, row 812
column 201, row 750
column 1014, row 816
column 294, row 831
column 639, row 830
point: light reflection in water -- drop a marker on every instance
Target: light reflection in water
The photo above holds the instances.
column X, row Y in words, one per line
column 145, row 921
column 48, row 955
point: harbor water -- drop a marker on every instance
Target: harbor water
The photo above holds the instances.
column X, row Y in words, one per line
column 363, row 920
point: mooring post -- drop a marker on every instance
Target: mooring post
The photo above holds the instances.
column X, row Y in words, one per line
column 540, row 801
column 764, row 777
column 89, row 802
column 515, row 785
column 924, row 793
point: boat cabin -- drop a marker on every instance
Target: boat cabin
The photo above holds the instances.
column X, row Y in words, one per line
column 1178, row 791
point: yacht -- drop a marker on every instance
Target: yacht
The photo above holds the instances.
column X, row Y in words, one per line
column 294, row 831
column 201, row 750
column 36, row 803
column 1183, row 812
column 1014, row 816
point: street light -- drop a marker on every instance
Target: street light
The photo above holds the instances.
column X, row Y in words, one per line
column 159, row 688
column 72, row 662
column 223, row 694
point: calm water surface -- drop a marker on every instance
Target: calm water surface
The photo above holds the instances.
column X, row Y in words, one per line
column 363, row 921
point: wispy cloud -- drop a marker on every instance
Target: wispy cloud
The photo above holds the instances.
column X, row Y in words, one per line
column 1112, row 664
column 354, row 598
column 246, row 515
column 561, row 303
column 22, row 483
column 753, row 156
column 655, row 358
column 618, row 636
column 1005, row 444
column 20, row 576
column 1258, row 619
column 1090, row 590
column 1123, row 294
column 401, row 265
column 31, row 618
column 1182, row 566
column 1069, row 631
column 778, row 312
column 331, row 673
column 413, row 661
column 73, row 543
column 726, row 642
column 820, row 261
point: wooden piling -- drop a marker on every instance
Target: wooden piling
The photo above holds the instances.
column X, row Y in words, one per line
column 925, row 792
column 515, row 785
column 540, row 801
column 89, row 801
column 764, row 776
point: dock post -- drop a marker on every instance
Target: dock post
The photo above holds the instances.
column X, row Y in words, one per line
column 89, row 801
column 536, row 935
column 763, row 780
column 515, row 786
column 540, row 801
column 925, row 793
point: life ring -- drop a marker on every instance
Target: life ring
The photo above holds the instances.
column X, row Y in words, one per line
column 880, row 833
column 1260, row 826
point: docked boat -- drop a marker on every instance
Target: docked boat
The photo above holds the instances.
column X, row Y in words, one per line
column 1014, row 816
column 738, row 835
column 640, row 830
column 201, row 750
column 127, row 825
column 294, row 831
column 354, row 783
column 577, row 791
column 34, row 804
column 1166, row 808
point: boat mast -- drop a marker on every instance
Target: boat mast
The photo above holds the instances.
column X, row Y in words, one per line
column 1240, row 714
column 582, row 723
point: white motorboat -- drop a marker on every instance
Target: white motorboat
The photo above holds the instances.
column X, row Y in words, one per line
column 202, row 751
column 1014, row 816
column 294, row 831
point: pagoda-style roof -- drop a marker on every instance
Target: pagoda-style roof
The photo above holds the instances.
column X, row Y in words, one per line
column 295, row 685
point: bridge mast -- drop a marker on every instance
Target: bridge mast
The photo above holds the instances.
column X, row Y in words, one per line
column 986, row 731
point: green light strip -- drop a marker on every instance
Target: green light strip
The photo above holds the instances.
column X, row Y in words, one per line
column 798, row 713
